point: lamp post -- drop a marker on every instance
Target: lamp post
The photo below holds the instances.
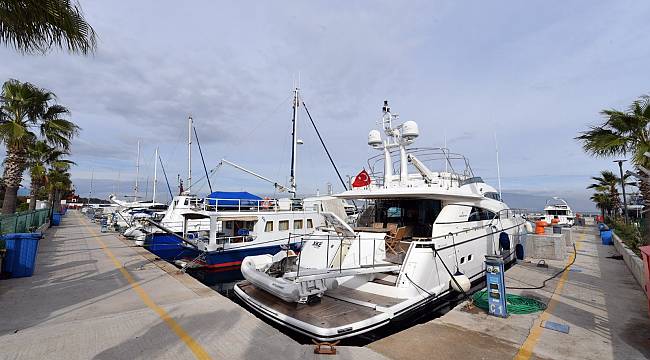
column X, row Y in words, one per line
column 620, row 167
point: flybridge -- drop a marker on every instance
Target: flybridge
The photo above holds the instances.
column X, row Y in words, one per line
column 454, row 168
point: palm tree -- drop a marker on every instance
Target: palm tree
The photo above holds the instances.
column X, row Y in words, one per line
column 41, row 155
column 26, row 110
column 35, row 26
column 58, row 183
column 623, row 133
column 603, row 202
column 607, row 184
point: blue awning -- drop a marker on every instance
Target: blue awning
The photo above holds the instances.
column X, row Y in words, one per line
column 233, row 198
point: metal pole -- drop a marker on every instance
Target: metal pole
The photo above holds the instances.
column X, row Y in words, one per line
column 620, row 167
column 137, row 173
column 189, row 155
column 155, row 176
column 294, row 145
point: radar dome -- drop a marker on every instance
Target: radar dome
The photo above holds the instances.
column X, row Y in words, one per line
column 374, row 138
column 410, row 130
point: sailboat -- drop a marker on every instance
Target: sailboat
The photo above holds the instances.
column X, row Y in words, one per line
column 241, row 225
column 421, row 238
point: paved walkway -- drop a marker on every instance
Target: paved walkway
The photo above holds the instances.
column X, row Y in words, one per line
column 598, row 298
column 94, row 296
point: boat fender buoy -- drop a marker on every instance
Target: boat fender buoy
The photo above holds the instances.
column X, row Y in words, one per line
column 462, row 280
column 519, row 251
column 529, row 227
column 504, row 241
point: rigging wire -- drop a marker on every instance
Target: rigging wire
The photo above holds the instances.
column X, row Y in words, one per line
column 202, row 159
column 324, row 147
column 171, row 195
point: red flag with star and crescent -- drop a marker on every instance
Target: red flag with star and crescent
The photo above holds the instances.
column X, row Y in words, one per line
column 363, row 179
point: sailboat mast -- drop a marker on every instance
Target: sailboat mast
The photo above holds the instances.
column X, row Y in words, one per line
column 189, row 155
column 294, row 139
column 155, row 176
column 137, row 173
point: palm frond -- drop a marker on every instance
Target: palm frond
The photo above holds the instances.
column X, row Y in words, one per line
column 35, row 26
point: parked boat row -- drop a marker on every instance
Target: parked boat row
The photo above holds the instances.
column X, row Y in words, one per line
column 414, row 228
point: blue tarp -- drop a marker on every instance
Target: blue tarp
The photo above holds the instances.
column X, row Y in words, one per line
column 234, row 198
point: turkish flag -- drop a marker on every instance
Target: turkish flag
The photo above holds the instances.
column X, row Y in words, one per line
column 363, row 179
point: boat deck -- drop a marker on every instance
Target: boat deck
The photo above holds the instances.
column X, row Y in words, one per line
column 340, row 307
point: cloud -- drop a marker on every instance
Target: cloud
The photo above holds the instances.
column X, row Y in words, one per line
column 534, row 73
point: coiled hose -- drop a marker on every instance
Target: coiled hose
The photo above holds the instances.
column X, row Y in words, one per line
column 516, row 304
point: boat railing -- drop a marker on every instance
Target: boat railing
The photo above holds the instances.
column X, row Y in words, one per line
column 334, row 267
column 449, row 166
column 229, row 240
column 368, row 262
column 240, row 205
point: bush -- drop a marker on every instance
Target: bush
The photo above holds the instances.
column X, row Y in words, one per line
column 630, row 234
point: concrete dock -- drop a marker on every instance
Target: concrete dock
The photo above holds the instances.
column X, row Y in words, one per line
column 597, row 297
column 95, row 296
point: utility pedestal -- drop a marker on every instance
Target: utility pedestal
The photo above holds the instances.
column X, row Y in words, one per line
column 496, row 288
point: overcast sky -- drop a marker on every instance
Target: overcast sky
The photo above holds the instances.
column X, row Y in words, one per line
column 534, row 72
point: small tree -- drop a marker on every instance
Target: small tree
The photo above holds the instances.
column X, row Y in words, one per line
column 27, row 112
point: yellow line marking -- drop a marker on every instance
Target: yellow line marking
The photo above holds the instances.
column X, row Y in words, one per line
column 526, row 349
column 192, row 344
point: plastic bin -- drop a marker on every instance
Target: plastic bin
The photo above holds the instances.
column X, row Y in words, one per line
column 56, row 219
column 606, row 237
column 20, row 259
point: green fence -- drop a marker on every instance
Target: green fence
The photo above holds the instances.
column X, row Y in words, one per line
column 22, row 222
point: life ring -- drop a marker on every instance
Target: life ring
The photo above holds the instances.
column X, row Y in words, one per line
column 266, row 203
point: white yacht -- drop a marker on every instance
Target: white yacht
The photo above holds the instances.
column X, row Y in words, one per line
column 423, row 235
column 559, row 209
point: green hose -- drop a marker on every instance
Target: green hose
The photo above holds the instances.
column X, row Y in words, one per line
column 516, row 304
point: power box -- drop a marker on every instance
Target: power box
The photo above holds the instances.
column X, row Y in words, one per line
column 496, row 286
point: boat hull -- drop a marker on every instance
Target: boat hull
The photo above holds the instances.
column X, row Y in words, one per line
column 212, row 267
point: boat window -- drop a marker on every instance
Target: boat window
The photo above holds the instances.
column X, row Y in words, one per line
column 269, row 226
column 228, row 224
column 297, row 224
column 417, row 215
column 175, row 202
column 487, row 214
column 283, row 225
column 492, row 195
column 469, row 257
column 186, row 202
column 475, row 214
column 310, row 224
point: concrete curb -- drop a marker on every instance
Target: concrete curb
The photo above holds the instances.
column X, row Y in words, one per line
column 633, row 262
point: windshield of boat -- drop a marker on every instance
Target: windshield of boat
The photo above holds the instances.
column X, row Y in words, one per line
column 417, row 215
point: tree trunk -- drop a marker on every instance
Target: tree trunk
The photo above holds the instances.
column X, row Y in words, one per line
column 57, row 201
column 32, row 196
column 9, row 202
column 15, row 164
